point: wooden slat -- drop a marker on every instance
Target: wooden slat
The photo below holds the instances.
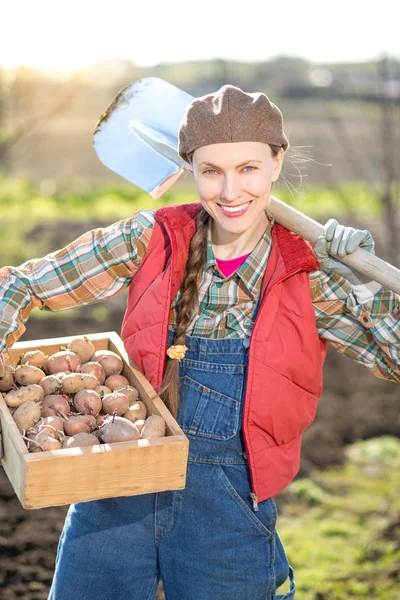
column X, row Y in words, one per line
column 14, row 450
column 106, row 471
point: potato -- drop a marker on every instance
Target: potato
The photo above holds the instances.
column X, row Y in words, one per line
column 88, row 402
column 7, row 381
column 118, row 429
column 54, row 404
column 35, row 358
column 136, row 412
column 51, row 384
column 99, row 418
column 32, row 432
column 154, row 426
column 94, row 368
column 81, row 439
column 27, row 415
column 129, row 391
column 78, row 423
column 16, row 397
column 115, row 402
column 27, row 375
column 110, row 361
column 83, row 347
column 102, row 390
column 139, row 424
column 62, row 374
column 46, row 441
column 76, row 382
column 52, row 424
column 62, row 361
column 116, row 380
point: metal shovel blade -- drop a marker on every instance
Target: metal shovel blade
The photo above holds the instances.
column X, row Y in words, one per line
column 137, row 136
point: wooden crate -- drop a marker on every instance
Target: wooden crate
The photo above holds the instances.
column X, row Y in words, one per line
column 73, row 475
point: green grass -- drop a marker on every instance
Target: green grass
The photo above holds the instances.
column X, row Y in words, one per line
column 341, row 528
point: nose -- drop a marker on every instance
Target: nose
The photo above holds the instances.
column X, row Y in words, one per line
column 231, row 188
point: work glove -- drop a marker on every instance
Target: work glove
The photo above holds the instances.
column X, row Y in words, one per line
column 340, row 240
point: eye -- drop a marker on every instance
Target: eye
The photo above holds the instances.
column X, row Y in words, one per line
column 250, row 168
column 209, row 171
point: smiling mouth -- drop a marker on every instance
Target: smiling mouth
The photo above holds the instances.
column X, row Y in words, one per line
column 234, row 210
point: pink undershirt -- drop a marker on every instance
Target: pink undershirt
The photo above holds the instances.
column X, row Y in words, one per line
column 227, row 267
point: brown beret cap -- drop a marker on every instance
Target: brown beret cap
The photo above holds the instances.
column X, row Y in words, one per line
column 230, row 115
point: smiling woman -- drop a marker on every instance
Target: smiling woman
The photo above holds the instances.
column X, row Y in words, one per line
column 236, row 192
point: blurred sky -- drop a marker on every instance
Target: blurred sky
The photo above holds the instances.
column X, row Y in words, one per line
column 55, row 34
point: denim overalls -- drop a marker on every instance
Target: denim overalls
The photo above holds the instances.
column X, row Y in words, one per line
column 206, row 542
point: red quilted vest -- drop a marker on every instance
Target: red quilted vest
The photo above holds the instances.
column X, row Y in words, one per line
column 284, row 379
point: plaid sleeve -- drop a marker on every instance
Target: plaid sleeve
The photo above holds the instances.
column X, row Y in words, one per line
column 368, row 333
column 96, row 266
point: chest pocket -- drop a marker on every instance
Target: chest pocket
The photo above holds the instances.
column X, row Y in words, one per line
column 211, row 400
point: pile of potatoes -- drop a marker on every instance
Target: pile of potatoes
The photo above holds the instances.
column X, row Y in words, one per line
column 75, row 397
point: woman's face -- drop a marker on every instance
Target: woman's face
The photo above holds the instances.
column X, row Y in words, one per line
column 234, row 182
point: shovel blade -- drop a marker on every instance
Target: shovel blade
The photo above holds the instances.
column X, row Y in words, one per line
column 137, row 136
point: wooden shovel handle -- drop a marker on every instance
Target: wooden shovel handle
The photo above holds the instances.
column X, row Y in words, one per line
column 310, row 230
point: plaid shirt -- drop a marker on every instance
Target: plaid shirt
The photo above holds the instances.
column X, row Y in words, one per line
column 102, row 262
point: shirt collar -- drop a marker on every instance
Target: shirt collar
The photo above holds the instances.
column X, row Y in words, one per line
column 253, row 268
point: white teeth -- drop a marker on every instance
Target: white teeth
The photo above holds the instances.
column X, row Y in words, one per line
column 234, row 209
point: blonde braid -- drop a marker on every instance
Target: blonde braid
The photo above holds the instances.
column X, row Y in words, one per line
column 187, row 304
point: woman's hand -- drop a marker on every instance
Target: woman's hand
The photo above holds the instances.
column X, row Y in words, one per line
column 340, row 241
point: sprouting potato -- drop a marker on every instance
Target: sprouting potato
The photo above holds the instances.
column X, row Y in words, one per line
column 7, row 381
column 136, row 412
column 103, row 390
column 129, row 391
column 154, row 426
column 54, row 404
column 76, row 382
column 27, row 375
column 79, row 423
column 88, row 402
column 53, row 424
column 35, row 358
column 116, row 380
column 99, row 418
column 62, row 374
column 18, row 396
column 45, row 441
column 51, row 384
column 110, row 361
column 27, row 415
column 115, row 402
column 62, row 361
column 118, row 429
column 83, row 347
column 43, row 392
column 94, row 368
column 81, row 439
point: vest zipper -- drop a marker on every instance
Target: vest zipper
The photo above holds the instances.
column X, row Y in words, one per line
column 254, row 500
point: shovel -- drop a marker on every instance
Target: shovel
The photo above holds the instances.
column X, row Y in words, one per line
column 137, row 138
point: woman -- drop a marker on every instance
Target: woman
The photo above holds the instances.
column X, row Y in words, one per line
column 242, row 310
